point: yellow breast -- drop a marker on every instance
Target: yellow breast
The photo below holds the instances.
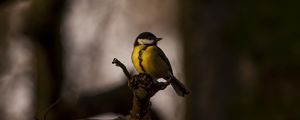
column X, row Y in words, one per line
column 135, row 58
column 152, row 62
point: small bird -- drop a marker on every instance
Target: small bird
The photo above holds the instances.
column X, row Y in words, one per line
column 148, row 58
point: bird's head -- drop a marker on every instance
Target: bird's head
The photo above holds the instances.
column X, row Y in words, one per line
column 146, row 38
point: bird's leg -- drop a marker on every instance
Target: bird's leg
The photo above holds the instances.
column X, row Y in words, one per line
column 155, row 80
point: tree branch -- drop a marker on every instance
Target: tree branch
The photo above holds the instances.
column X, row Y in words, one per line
column 143, row 88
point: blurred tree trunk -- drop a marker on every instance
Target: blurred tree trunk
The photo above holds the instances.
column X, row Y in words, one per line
column 3, row 48
column 270, row 30
column 209, row 66
column 43, row 25
column 217, row 35
column 3, row 33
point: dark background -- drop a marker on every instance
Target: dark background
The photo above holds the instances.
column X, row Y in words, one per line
column 241, row 59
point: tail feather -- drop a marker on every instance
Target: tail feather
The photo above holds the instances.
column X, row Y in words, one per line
column 179, row 87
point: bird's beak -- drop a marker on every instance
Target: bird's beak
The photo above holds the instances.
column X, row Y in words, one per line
column 158, row 39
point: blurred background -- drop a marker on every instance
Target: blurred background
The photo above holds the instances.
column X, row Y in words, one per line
column 241, row 59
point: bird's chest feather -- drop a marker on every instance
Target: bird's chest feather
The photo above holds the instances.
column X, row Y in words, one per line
column 136, row 59
column 146, row 59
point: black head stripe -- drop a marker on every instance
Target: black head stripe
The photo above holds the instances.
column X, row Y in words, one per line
column 146, row 35
column 141, row 59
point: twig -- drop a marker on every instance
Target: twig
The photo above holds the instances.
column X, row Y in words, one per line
column 119, row 64
column 49, row 108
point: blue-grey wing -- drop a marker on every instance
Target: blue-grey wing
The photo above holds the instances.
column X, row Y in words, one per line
column 164, row 58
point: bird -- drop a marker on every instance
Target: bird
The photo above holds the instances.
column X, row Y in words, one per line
column 148, row 58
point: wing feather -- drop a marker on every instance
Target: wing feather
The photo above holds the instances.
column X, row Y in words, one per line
column 164, row 58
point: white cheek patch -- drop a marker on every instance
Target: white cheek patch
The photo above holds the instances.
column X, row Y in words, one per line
column 145, row 41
